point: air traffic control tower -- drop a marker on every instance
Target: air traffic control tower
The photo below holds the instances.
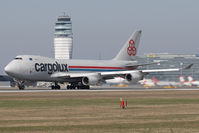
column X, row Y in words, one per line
column 63, row 38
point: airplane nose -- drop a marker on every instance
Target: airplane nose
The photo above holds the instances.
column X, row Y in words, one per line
column 8, row 69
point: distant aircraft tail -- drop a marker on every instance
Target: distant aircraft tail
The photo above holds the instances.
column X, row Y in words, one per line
column 190, row 79
column 155, row 79
column 181, row 78
column 130, row 48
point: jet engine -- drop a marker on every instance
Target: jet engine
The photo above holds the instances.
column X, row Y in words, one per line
column 134, row 77
column 90, row 80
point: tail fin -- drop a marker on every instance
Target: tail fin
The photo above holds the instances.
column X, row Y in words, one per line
column 155, row 79
column 190, row 79
column 181, row 78
column 130, row 48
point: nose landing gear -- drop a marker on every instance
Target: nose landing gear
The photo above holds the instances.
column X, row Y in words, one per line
column 21, row 85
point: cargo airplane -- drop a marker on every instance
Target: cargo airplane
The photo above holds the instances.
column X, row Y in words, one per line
column 80, row 74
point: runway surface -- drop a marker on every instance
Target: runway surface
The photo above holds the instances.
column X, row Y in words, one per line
column 5, row 89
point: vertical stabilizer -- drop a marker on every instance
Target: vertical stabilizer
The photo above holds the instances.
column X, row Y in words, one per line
column 155, row 79
column 190, row 79
column 130, row 48
column 181, row 78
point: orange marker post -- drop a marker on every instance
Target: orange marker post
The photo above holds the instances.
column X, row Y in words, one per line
column 122, row 104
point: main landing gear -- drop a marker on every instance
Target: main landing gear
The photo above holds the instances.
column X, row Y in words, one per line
column 72, row 86
column 55, row 87
column 77, row 86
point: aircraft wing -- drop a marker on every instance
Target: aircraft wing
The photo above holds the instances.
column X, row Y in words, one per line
column 161, row 70
column 110, row 75
column 120, row 73
column 144, row 72
column 145, row 64
column 129, row 75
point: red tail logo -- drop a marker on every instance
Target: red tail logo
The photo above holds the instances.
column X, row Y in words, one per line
column 131, row 50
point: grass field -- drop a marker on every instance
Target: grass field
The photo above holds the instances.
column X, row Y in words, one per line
column 99, row 112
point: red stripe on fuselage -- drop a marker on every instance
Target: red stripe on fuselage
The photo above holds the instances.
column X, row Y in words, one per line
column 100, row 67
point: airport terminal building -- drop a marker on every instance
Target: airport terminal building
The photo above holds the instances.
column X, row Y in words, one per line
column 171, row 61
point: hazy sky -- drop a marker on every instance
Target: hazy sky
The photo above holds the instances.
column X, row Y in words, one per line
column 100, row 27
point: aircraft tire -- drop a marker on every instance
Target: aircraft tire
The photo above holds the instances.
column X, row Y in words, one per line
column 88, row 87
column 52, row 87
column 84, row 87
column 21, row 87
column 68, row 87
column 77, row 87
column 58, row 87
column 73, row 87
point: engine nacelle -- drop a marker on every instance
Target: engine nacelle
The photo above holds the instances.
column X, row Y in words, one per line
column 90, row 80
column 134, row 77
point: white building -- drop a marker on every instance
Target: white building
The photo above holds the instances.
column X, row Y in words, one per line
column 63, row 39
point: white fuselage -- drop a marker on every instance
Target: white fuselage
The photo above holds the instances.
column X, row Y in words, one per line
column 38, row 68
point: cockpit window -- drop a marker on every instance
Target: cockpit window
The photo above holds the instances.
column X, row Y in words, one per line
column 18, row 58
